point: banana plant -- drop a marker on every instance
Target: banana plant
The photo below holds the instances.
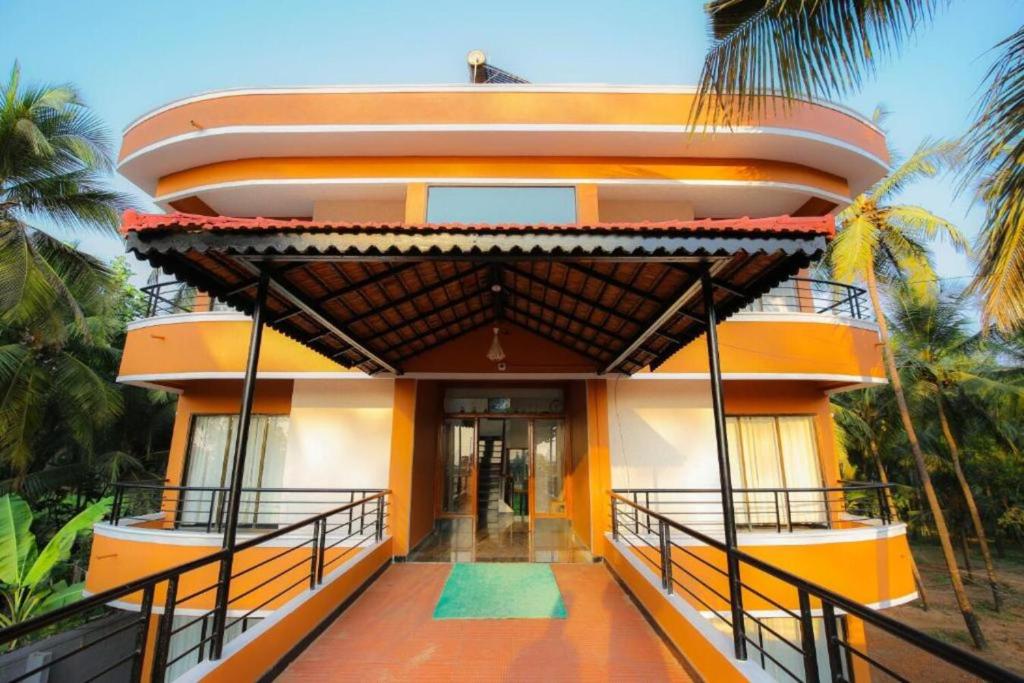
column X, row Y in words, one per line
column 25, row 571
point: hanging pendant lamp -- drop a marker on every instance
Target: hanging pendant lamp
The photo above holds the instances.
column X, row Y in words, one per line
column 496, row 354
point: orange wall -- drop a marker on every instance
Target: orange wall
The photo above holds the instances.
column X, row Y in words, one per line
column 402, row 428
column 786, row 347
column 868, row 571
column 598, row 463
column 253, row 661
column 525, row 352
column 489, row 108
column 579, row 462
column 114, row 561
column 213, row 346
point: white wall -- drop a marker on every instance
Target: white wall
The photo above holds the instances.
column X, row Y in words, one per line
column 339, row 434
column 662, row 434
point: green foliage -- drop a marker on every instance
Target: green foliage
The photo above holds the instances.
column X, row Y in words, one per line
column 981, row 382
column 26, row 573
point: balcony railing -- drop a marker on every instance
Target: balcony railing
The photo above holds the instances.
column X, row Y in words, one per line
column 172, row 298
column 772, row 509
column 821, row 297
column 323, row 542
column 796, row 295
column 696, row 570
column 205, row 508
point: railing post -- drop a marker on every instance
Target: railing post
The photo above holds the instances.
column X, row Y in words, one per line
column 322, row 552
column 115, row 508
column 835, row 660
column 789, row 511
column 664, row 531
column 615, row 519
column 724, row 474
column 807, row 638
column 828, row 510
column 778, row 519
column 163, row 638
column 146, row 612
column 238, row 465
column 380, row 519
column 883, row 505
column 314, row 554
column 636, row 514
column 213, row 506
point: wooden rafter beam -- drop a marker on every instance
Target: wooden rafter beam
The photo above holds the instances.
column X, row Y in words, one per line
column 286, row 291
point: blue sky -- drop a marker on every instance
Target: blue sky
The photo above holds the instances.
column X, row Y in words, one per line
column 128, row 57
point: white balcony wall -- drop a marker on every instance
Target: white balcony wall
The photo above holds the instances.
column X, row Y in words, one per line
column 339, row 436
column 662, row 436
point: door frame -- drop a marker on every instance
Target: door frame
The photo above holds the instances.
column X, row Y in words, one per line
column 562, row 416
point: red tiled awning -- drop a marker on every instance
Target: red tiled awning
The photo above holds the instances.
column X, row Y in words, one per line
column 375, row 296
column 780, row 225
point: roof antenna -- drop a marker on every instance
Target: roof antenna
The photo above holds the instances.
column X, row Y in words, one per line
column 482, row 72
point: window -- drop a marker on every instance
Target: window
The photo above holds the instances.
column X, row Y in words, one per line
column 209, row 465
column 501, row 205
column 775, row 452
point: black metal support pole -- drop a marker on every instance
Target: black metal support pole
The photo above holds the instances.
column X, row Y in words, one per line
column 724, row 475
column 238, row 466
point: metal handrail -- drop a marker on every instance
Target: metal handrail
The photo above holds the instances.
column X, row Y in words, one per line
column 779, row 507
column 830, row 602
column 148, row 584
column 812, row 295
column 197, row 507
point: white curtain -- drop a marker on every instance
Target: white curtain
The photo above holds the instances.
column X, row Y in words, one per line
column 210, row 465
column 775, row 452
column 212, row 436
column 802, row 468
column 760, row 467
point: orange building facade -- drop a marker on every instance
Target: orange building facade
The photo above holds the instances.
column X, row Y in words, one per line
column 484, row 304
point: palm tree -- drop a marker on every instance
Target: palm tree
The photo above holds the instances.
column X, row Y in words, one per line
column 878, row 240
column 54, row 326
column 808, row 49
column 859, row 419
column 954, row 372
column 54, row 159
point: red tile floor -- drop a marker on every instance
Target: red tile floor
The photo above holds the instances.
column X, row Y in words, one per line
column 389, row 634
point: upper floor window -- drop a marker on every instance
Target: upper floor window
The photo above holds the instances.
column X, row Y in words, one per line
column 501, row 205
column 768, row 453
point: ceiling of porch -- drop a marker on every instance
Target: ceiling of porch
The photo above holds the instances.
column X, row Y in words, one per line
column 375, row 297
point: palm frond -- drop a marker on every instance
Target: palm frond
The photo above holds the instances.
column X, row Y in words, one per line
column 801, row 49
column 995, row 152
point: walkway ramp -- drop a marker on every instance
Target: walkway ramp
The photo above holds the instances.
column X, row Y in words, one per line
column 390, row 633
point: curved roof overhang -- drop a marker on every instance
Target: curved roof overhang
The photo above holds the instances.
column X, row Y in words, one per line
column 517, row 121
column 625, row 296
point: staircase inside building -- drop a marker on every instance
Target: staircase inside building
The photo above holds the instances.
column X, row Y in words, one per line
column 490, row 479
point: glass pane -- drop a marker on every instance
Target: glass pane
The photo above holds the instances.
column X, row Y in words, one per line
column 459, row 449
column 212, row 436
column 549, row 466
column 802, row 468
column 501, row 205
column 513, row 400
column 210, row 464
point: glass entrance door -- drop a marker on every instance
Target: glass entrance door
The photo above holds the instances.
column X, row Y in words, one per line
column 458, row 494
column 548, row 467
column 503, row 468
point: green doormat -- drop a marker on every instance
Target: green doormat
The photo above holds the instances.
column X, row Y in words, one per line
column 500, row 591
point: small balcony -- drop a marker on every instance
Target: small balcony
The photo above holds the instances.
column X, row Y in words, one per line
column 818, row 297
